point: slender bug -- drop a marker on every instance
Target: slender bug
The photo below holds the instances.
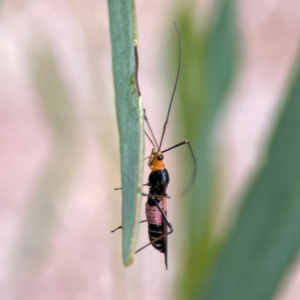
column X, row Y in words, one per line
column 156, row 207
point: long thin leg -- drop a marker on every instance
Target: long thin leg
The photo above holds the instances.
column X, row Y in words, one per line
column 122, row 226
column 162, row 236
column 193, row 177
column 117, row 189
column 156, row 196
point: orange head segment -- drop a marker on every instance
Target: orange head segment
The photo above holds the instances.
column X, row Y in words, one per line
column 156, row 161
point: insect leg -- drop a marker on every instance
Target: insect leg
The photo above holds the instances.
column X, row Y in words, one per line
column 193, row 177
column 156, row 196
column 122, row 226
column 117, row 189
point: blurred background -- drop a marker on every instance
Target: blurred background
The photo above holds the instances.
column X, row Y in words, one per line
column 59, row 151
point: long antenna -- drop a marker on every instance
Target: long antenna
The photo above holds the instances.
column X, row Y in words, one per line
column 174, row 90
column 149, row 138
column 152, row 134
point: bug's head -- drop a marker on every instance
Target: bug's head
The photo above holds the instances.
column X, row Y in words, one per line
column 156, row 161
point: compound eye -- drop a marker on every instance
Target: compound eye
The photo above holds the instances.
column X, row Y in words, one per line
column 160, row 157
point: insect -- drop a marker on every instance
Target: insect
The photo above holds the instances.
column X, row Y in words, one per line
column 156, row 207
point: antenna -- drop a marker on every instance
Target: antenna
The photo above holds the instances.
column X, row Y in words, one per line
column 175, row 86
column 147, row 135
column 153, row 136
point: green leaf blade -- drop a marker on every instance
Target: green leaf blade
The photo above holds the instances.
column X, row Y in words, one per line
column 208, row 67
column 266, row 237
column 130, row 120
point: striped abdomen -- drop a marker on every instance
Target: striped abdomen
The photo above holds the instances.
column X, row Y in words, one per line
column 155, row 223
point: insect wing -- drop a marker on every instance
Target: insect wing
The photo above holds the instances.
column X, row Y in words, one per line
column 165, row 232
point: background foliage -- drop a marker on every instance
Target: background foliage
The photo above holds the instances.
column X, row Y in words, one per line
column 249, row 261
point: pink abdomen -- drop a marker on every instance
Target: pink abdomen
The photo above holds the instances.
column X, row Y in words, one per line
column 153, row 214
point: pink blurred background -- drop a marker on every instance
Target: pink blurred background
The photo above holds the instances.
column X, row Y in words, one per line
column 82, row 259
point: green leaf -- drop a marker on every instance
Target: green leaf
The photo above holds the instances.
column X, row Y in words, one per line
column 266, row 238
column 130, row 119
column 208, row 68
column 251, row 262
